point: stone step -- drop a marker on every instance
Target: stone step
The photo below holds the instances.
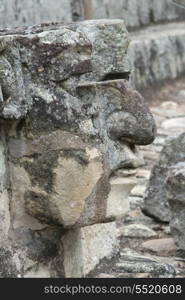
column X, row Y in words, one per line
column 158, row 54
column 135, row 13
column 138, row 13
column 23, row 13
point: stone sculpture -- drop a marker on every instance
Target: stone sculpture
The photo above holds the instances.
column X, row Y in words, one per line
column 69, row 121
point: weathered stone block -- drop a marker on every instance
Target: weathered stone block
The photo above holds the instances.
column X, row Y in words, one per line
column 4, row 215
column 156, row 201
column 84, row 248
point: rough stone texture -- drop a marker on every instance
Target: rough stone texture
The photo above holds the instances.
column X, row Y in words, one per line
column 69, row 121
column 138, row 191
column 135, row 13
column 4, row 215
column 106, row 64
column 133, row 262
column 24, row 13
column 157, row 54
column 175, row 186
column 135, row 202
column 156, row 203
column 7, row 265
column 157, row 43
column 138, row 13
column 2, row 165
column 84, row 248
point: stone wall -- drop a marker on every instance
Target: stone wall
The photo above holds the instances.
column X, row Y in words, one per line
column 138, row 13
column 23, row 13
column 135, row 13
column 157, row 54
column 157, row 48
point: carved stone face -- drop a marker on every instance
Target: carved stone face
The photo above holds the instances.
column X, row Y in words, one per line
column 76, row 120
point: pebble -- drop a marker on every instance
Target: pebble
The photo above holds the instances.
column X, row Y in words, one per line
column 142, row 173
column 138, row 190
column 159, row 141
column 174, row 123
column 161, row 247
column 170, row 113
column 137, row 231
column 150, row 155
column 130, row 253
column 153, row 147
column 136, row 216
column 166, row 229
column 135, row 202
column 169, row 109
column 125, row 172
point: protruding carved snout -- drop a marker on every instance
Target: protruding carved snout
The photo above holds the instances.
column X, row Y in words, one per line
column 134, row 123
column 127, row 117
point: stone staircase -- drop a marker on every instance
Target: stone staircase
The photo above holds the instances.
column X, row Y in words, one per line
column 136, row 13
column 157, row 31
column 158, row 54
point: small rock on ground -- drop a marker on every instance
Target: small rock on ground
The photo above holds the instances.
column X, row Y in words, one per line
column 138, row 190
column 174, row 123
column 161, row 247
column 135, row 202
column 137, row 231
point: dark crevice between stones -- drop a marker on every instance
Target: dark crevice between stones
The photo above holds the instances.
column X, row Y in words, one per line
column 154, row 217
column 116, row 76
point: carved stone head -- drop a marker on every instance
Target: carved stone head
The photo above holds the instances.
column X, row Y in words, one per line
column 71, row 120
